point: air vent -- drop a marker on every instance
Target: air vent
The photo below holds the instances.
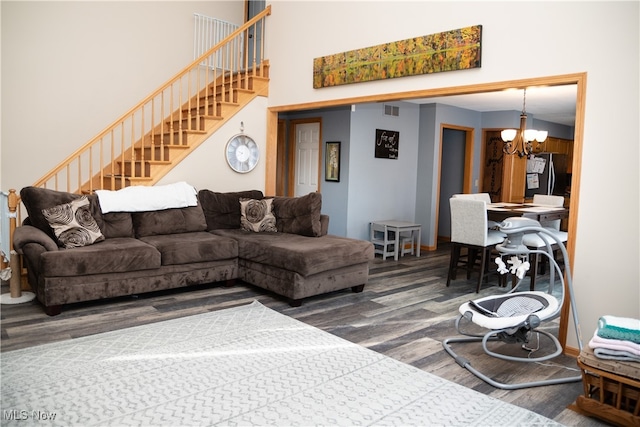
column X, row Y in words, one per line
column 391, row 110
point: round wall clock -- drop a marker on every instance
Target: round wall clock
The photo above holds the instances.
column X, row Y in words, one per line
column 242, row 153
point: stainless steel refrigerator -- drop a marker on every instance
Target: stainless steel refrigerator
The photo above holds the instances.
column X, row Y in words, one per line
column 546, row 174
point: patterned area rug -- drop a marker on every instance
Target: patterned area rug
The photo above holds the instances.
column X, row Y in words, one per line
column 241, row 366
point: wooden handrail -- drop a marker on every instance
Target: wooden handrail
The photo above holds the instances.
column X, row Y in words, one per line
column 120, row 154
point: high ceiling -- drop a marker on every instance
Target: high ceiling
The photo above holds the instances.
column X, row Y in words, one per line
column 556, row 104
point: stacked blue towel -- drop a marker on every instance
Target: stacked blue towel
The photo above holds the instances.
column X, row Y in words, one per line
column 617, row 338
column 619, row 328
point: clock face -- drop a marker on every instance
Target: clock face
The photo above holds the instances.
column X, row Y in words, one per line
column 242, row 153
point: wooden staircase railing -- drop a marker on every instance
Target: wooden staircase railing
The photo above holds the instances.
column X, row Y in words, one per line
column 143, row 144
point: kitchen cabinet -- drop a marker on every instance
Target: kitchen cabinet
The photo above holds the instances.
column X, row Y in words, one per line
column 503, row 175
column 556, row 145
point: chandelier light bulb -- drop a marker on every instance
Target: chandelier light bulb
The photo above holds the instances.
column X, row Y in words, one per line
column 542, row 135
column 508, row 135
column 530, row 134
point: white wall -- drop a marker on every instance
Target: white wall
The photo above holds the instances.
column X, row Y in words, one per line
column 336, row 125
column 69, row 69
column 599, row 38
column 207, row 168
column 381, row 188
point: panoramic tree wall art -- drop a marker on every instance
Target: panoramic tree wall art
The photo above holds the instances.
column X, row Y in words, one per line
column 447, row 51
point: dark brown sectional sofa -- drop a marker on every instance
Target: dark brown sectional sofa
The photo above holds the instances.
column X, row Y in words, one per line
column 150, row 251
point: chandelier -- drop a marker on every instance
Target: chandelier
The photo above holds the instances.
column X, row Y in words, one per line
column 520, row 140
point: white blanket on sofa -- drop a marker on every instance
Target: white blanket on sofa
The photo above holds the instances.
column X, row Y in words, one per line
column 140, row 198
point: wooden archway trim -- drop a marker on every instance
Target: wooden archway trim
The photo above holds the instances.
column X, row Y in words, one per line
column 579, row 79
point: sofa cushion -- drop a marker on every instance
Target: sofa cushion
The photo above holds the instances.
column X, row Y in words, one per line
column 222, row 210
column 186, row 248
column 169, row 221
column 35, row 199
column 117, row 224
column 257, row 215
column 299, row 215
column 297, row 253
column 73, row 224
column 109, row 256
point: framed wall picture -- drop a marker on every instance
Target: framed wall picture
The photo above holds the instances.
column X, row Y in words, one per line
column 332, row 162
column 451, row 50
column 387, row 142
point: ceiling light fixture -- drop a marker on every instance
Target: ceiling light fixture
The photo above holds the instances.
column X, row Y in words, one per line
column 519, row 140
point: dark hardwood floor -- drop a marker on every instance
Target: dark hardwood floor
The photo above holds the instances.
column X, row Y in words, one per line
column 404, row 312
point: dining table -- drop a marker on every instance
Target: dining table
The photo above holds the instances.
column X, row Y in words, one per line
column 500, row 211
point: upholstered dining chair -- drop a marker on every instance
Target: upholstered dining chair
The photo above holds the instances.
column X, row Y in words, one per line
column 535, row 241
column 485, row 197
column 553, row 201
column 469, row 231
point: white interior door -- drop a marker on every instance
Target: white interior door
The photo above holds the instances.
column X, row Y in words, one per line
column 307, row 158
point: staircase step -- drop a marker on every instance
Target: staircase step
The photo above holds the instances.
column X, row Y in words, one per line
column 198, row 119
column 186, row 136
column 225, row 95
column 253, row 79
column 221, row 108
column 158, row 151
column 155, row 153
column 228, row 107
column 189, row 122
column 128, row 181
column 141, row 168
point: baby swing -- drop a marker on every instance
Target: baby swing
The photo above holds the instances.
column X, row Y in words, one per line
column 514, row 317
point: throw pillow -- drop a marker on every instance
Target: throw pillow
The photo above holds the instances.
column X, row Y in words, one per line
column 73, row 224
column 299, row 215
column 35, row 199
column 257, row 215
column 222, row 210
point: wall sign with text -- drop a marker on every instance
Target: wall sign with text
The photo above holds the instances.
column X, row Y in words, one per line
column 387, row 144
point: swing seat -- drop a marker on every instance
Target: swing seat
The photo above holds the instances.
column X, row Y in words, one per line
column 515, row 317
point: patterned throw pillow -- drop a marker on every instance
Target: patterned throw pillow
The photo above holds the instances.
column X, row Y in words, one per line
column 73, row 224
column 257, row 215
